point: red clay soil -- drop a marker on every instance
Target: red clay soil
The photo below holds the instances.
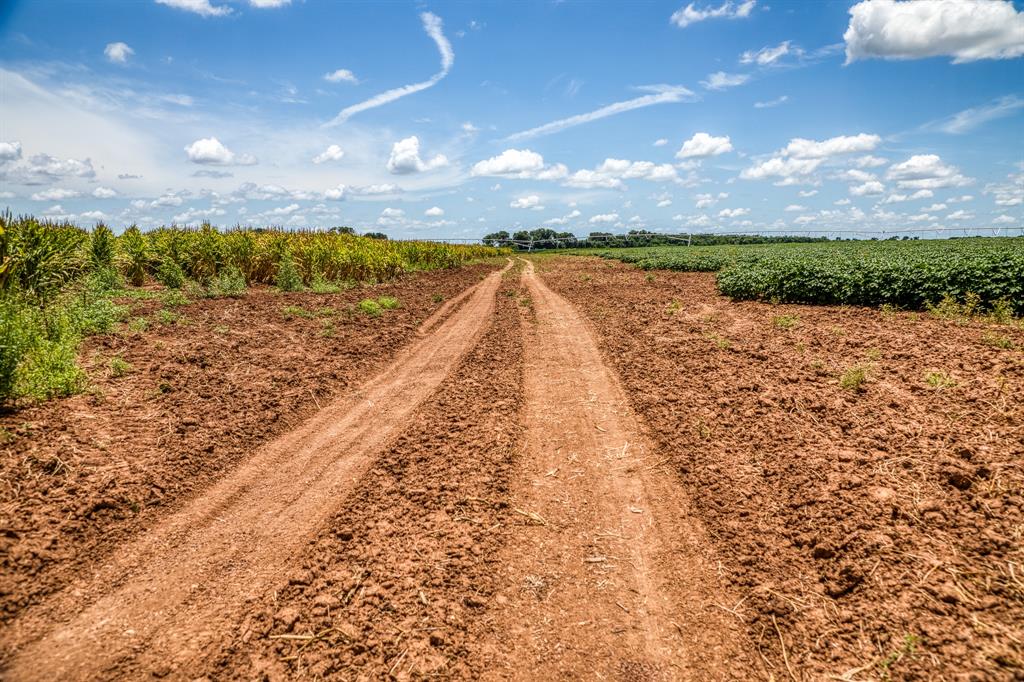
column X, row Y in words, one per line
column 869, row 533
column 82, row 475
column 399, row 580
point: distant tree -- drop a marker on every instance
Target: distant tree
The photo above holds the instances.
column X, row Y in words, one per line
column 376, row 235
column 342, row 230
column 496, row 238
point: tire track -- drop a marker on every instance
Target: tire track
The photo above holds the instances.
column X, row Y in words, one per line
column 161, row 600
column 613, row 577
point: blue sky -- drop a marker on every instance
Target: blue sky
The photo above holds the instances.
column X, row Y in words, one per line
column 459, row 119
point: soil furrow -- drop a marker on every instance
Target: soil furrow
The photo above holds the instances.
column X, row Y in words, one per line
column 610, row 576
column 162, row 600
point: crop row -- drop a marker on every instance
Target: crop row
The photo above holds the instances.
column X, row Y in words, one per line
column 907, row 274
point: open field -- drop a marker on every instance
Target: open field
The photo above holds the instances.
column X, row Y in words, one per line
column 557, row 467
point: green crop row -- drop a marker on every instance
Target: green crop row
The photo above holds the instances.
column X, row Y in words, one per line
column 907, row 274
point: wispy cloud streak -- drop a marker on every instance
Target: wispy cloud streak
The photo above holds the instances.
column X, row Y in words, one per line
column 660, row 94
column 432, row 25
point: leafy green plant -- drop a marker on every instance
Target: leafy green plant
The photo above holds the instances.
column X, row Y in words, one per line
column 292, row 311
column 170, row 274
column 229, row 283
column 388, row 302
column 997, row 340
column 135, row 256
column 370, row 307
column 785, row 321
column 288, row 277
column 939, row 379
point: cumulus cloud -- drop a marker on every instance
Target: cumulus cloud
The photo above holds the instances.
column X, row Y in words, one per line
column 41, row 169
column 564, row 220
column 433, row 26
column 659, row 94
column 795, row 207
column 519, row 163
column 532, row 201
column 733, row 212
column 869, row 188
column 702, row 145
column 720, row 80
column 767, row 56
column 332, row 153
column 869, row 161
column 118, row 52
column 603, row 218
column 783, row 168
column 200, row 7
column 926, row 171
column 341, row 76
column 661, row 142
column 801, row 148
column 405, row 158
column 10, row 151
column 104, row 193
column 611, row 173
column 807, row 192
column 967, row 30
column 434, row 212
column 55, row 194
column 1004, row 193
column 691, row 14
column 210, row 151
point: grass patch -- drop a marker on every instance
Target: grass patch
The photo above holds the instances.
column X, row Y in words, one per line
column 388, row 302
column 938, row 379
column 370, row 307
column 997, row 340
column 292, row 311
column 785, row 321
column 853, row 379
column 119, row 367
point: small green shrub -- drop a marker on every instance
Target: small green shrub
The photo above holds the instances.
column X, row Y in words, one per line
column 939, row 379
column 288, row 277
column 997, row 340
column 785, row 321
column 292, row 311
column 170, row 274
column 388, row 302
column 229, row 283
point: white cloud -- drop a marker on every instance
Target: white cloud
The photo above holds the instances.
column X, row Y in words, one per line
column 269, row 4
column 733, row 212
column 469, row 128
column 1005, row 194
column 787, row 169
column 564, row 220
column 210, row 151
column 193, row 214
column 795, row 207
column 967, row 30
column 919, row 194
column 200, row 7
column 807, row 192
column 934, row 207
column 519, row 163
column 869, row 188
column 405, row 158
column 869, row 161
column 433, row 26
column 332, row 153
column 960, row 215
column 664, row 202
column 969, row 119
column 603, row 218
column 611, row 173
column 720, row 80
column 341, row 76
column 55, row 194
column 531, row 201
column 771, row 103
column 1004, row 220
column 589, row 179
column 392, row 213
column 842, row 202
column 801, row 148
column 702, row 145
column 661, row 142
column 660, row 94
column 104, row 193
column 925, row 171
column 434, row 212
column 767, row 56
column 118, row 52
column 685, row 16
column 10, row 151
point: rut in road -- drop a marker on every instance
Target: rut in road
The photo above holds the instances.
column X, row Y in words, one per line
column 614, row 578
column 158, row 602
